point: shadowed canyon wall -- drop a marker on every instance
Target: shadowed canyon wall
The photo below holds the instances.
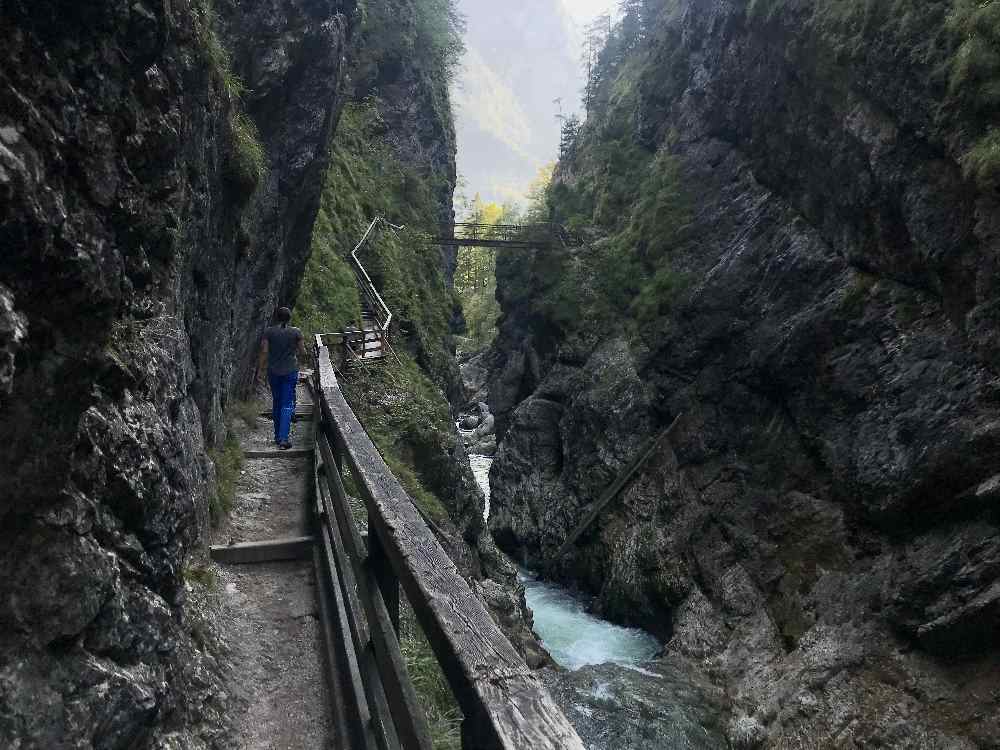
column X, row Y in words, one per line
column 160, row 170
column 796, row 249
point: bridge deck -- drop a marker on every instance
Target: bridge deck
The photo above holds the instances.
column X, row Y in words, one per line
column 512, row 236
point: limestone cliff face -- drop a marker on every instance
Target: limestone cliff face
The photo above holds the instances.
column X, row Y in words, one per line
column 138, row 265
column 821, row 538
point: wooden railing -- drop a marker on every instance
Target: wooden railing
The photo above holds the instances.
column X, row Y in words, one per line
column 504, row 704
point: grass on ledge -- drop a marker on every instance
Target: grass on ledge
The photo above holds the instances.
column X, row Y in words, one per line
column 228, row 462
column 442, row 712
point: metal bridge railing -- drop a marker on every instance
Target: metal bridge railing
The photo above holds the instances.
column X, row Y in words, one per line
column 512, row 235
column 383, row 315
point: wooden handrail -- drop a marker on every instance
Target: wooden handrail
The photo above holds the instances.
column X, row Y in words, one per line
column 506, row 707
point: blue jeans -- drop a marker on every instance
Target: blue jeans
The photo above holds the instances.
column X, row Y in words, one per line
column 283, row 403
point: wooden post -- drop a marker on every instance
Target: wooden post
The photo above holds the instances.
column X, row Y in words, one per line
column 388, row 584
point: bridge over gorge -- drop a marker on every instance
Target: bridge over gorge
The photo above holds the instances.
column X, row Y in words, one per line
column 512, row 236
column 369, row 340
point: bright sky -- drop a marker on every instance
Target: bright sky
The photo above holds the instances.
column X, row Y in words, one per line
column 584, row 11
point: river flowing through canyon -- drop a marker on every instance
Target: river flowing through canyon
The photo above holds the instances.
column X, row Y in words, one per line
column 573, row 636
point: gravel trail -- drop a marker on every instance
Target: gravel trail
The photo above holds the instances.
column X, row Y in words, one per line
column 270, row 612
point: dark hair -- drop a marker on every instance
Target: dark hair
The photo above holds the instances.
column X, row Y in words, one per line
column 283, row 315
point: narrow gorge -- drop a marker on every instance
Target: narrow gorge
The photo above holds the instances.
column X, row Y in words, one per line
column 705, row 415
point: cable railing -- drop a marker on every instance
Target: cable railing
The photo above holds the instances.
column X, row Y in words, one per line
column 370, row 342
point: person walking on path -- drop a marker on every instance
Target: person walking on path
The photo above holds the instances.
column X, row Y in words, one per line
column 278, row 349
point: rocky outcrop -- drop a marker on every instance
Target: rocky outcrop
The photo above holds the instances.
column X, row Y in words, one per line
column 820, row 538
column 476, row 423
column 138, row 266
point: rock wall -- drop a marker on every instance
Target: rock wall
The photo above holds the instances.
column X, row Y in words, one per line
column 138, row 267
column 821, row 537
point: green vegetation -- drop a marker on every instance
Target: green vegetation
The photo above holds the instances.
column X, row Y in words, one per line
column 247, row 412
column 228, row 462
column 634, row 199
column 367, row 179
column 201, row 576
column 953, row 43
column 440, row 708
column 426, row 33
column 982, row 161
column 409, row 421
column 248, row 157
column 475, row 274
column 856, row 297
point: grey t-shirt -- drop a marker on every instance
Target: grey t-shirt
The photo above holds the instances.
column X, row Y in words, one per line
column 282, row 343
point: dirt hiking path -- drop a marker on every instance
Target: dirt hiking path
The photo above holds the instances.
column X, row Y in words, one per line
column 277, row 661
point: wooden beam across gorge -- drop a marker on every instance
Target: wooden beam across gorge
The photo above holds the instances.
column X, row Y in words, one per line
column 506, row 707
column 616, row 487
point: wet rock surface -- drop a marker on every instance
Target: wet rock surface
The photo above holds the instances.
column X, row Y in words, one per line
column 126, row 239
column 820, row 537
column 661, row 706
column 476, row 423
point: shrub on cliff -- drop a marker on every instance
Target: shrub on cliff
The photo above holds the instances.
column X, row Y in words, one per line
column 247, row 156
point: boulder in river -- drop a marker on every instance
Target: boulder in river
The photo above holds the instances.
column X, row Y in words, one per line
column 485, row 447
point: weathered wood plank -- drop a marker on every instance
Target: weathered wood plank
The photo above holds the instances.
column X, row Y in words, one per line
column 349, row 549
column 505, row 704
column 371, row 731
column 270, row 550
column 291, row 453
column 346, row 732
column 385, row 578
column 379, row 720
column 616, row 487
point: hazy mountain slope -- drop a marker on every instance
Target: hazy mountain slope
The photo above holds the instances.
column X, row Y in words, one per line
column 521, row 56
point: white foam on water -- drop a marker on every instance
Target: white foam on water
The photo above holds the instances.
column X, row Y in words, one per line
column 481, row 469
column 576, row 638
